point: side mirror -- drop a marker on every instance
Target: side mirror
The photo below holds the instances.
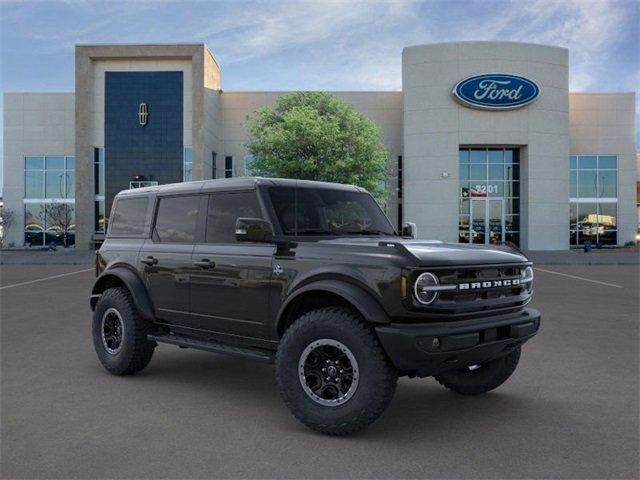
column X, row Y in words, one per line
column 253, row 230
column 409, row 230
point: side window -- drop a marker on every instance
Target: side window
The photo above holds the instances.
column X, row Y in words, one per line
column 176, row 219
column 128, row 218
column 224, row 210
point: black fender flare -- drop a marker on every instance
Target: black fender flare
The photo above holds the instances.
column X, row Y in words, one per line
column 133, row 283
column 362, row 300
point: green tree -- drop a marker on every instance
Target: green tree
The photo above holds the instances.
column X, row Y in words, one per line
column 317, row 136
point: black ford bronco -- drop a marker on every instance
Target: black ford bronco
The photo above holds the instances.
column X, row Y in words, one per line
column 310, row 276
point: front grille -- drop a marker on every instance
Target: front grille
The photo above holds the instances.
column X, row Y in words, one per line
column 481, row 298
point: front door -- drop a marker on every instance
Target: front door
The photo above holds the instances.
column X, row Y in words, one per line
column 486, row 223
column 230, row 291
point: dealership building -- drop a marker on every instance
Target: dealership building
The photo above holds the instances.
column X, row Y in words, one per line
column 486, row 143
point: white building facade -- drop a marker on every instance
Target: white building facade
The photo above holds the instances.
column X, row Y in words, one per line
column 486, row 143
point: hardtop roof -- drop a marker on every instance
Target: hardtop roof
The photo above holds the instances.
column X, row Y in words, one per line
column 230, row 184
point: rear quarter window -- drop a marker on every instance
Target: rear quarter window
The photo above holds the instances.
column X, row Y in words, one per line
column 129, row 217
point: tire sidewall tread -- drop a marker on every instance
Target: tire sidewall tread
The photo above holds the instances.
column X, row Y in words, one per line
column 377, row 376
column 136, row 351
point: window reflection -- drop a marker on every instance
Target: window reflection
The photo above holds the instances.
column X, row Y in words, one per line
column 587, row 185
column 489, row 173
column 594, row 203
column 607, row 184
column 49, row 193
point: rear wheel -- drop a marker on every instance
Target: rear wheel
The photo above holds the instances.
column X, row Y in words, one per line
column 483, row 378
column 120, row 334
column 332, row 372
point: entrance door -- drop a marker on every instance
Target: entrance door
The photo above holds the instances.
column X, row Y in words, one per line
column 487, row 224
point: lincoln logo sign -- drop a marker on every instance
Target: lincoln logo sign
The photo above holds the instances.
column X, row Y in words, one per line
column 496, row 91
column 143, row 114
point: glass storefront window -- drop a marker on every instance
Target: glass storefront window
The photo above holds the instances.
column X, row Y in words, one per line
column 607, row 184
column 187, row 164
column 489, row 195
column 99, row 221
column 478, row 156
column 587, row 183
column 587, row 162
column 496, row 171
column 49, row 177
column 593, row 181
column 34, row 184
column 54, row 163
column 54, row 184
column 49, row 195
column 98, row 171
column 607, row 162
column 34, row 163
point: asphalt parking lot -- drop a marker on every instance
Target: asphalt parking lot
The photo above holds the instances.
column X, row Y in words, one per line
column 570, row 410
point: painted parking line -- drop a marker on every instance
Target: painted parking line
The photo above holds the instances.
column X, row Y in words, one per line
column 578, row 278
column 43, row 279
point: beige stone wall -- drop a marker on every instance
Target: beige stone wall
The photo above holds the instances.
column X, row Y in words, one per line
column 604, row 124
column 435, row 126
column 212, row 124
column 383, row 108
column 34, row 124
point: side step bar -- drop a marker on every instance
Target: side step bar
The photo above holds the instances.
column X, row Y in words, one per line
column 212, row 346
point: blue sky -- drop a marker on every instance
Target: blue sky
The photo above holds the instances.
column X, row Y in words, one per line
column 316, row 45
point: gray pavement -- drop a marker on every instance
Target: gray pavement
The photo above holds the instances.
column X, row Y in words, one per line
column 570, row 410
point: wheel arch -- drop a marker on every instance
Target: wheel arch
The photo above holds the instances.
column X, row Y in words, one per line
column 329, row 293
column 121, row 276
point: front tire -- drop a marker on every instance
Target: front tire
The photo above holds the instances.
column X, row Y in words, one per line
column 120, row 334
column 481, row 378
column 333, row 373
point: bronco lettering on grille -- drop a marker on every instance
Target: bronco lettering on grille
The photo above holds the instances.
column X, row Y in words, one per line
column 510, row 282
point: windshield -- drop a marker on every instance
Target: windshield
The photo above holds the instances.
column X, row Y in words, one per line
column 319, row 211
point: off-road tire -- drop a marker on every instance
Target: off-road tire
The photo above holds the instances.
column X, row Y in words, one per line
column 136, row 350
column 489, row 376
column 377, row 376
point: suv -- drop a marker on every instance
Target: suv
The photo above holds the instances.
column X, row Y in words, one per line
column 310, row 276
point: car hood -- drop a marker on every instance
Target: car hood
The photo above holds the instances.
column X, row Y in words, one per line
column 436, row 253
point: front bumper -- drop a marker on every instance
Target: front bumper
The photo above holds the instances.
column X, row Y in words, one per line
column 428, row 349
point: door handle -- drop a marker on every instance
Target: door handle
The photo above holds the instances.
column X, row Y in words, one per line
column 149, row 260
column 205, row 263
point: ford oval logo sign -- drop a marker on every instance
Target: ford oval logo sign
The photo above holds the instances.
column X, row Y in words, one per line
column 496, row 91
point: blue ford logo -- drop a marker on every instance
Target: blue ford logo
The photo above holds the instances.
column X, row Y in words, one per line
column 496, row 91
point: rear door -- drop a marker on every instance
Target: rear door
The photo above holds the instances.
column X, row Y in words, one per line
column 165, row 259
column 230, row 292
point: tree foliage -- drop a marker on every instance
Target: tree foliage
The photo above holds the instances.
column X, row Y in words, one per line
column 317, row 136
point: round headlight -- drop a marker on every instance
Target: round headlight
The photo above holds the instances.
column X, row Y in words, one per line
column 526, row 277
column 424, row 290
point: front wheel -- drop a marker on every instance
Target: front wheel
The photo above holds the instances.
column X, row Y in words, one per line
column 482, row 378
column 332, row 372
